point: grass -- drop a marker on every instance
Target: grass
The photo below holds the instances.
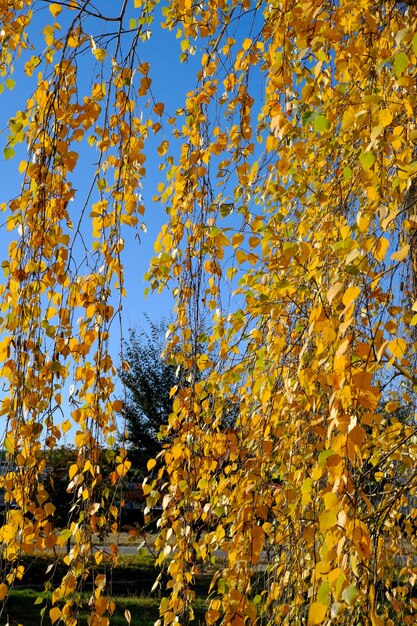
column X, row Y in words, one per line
column 21, row 609
column 134, row 575
column 130, row 587
column 24, row 607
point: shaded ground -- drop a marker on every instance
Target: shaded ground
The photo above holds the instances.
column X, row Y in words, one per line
column 131, row 584
column 24, row 607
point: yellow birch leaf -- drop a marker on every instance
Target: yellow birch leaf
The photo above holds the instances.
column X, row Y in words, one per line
column 100, row 603
column 49, row 508
column 100, row 54
column 123, row 468
column 55, row 9
column 327, row 519
column 3, row 591
column 212, row 616
column 316, row 613
column 397, row 347
column 333, row 291
column 348, row 120
column 357, row 434
column 381, row 248
column 350, row 295
column 72, row 471
column 73, row 41
column 237, row 240
column 362, row 379
column 176, row 451
column 151, row 464
column 55, row 614
column 98, row 91
column 385, row 117
column 375, row 133
column 330, row 501
column 333, row 576
column 258, row 535
column 401, row 254
column 203, row 362
column 241, row 256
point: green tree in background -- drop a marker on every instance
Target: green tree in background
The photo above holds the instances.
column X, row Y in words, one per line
column 148, row 379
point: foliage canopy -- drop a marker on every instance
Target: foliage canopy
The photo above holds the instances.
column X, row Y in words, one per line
column 290, row 238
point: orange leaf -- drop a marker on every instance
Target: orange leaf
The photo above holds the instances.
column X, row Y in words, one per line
column 3, row 591
column 55, row 614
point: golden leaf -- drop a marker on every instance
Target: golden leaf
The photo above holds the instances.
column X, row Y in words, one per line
column 55, row 614
column 100, row 54
column 327, row 519
column 397, row 347
column 4, row 590
column 151, row 464
column 55, row 9
column 317, row 613
column 333, row 291
column 350, row 295
column 401, row 254
column 385, row 117
column 381, row 248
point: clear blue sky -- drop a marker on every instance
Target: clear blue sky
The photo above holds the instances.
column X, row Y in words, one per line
column 171, row 81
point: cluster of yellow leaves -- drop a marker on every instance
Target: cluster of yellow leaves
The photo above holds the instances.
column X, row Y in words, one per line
column 293, row 432
column 294, row 313
column 57, row 302
column 15, row 19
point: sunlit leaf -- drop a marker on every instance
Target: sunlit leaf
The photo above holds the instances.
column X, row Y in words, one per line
column 321, row 123
column 9, row 153
column 100, row 54
column 55, row 9
column 401, row 61
column 317, row 613
column 367, row 159
column 350, row 594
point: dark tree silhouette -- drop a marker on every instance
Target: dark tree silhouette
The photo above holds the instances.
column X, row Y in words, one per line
column 148, row 382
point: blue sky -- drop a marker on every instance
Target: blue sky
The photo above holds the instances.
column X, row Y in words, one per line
column 171, row 80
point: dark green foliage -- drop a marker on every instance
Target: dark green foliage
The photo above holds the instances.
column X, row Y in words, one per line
column 148, row 383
